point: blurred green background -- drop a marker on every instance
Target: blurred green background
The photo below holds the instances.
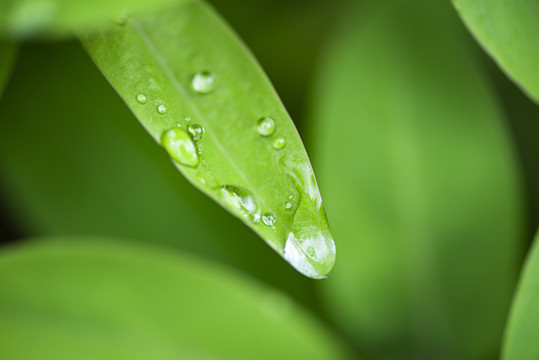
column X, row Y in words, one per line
column 425, row 155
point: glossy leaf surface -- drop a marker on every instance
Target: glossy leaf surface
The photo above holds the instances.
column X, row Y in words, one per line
column 184, row 68
column 421, row 182
column 89, row 299
column 82, row 164
column 507, row 29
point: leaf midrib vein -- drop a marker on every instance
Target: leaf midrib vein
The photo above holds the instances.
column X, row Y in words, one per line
column 155, row 53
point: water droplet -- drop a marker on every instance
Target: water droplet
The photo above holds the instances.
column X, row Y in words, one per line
column 268, row 219
column 240, row 200
column 196, row 131
column 265, row 126
column 141, row 98
column 187, row 118
column 161, row 109
column 180, row 147
column 288, row 205
column 309, row 246
column 279, row 142
column 313, row 255
column 203, row 82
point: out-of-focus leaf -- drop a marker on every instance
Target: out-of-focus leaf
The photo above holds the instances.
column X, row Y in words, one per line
column 520, row 341
column 296, row 28
column 183, row 70
column 101, row 299
column 30, row 18
column 62, row 173
column 507, row 29
column 8, row 52
column 422, row 184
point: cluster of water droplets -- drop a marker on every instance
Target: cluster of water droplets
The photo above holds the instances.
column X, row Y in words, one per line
column 309, row 246
column 266, row 127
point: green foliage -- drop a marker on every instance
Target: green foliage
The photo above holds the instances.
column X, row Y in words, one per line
column 508, row 30
column 184, row 67
column 8, row 51
column 59, row 18
column 411, row 145
column 88, row 298
column 521, row 336
column 117, row 182
column 412, row 129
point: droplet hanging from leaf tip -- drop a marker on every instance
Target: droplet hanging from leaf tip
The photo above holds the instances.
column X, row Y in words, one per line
column 313, row 256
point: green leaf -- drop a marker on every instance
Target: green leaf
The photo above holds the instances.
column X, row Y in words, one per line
column 184, row 68
column 520, row 341
column 63, row 174
column 103, row 299
column 420, row 177
column 507, row 29
column 57, row 18
column 8, row 52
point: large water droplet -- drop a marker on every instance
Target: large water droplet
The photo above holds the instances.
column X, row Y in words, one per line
column 203, row 82
column 141, row 98
column 268, row 219
column 311, row 252
column 265, row 126
column 240, row 200
column 196, row 131
column 279, row 142
column 309, row 247
column 161, row 109
column 180, row 147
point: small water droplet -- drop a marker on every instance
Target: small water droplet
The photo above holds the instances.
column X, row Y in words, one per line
column 288, row 205
column 187, row 118
column 203, row 82
column 196, row 131
column 268, row 219
column 241, row 200
column 141, row 98
column 161, row 109
column 265, row 126
column 180, row 147
column 279, row 142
